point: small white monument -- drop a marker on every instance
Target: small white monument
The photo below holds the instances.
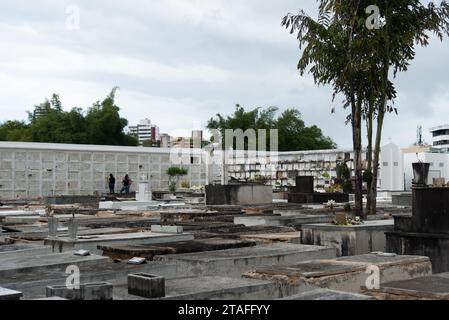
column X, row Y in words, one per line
column 144, row 193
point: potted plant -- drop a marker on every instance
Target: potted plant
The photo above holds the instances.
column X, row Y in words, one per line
column 174, row 173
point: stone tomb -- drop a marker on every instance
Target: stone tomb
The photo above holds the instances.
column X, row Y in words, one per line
column 91, row 243
column 239, row 194
column 426, row 231
column 234, row 262
column 210, row 288
column 344, row 274
column 303, row 192
column 349, row 240
column 149, row 251
column 277, row 220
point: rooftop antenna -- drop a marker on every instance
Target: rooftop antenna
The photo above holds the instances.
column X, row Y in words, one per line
column 419, row 141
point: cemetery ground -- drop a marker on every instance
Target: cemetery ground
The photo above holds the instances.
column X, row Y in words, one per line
column 179, row 246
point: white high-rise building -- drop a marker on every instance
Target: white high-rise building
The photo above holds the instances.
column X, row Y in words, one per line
column 145, row 131
column 440, row 137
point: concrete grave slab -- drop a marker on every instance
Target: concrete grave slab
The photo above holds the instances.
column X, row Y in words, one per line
column 234, row 262
column 345, row 274
column 91, row 244
column 13, row 267
column 296, row 220
column 210, row 288
column 149, row 251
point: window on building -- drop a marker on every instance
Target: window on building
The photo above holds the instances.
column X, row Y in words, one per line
column 385, row 164
column 441, row 164
column 431, row 164
column 396, row 164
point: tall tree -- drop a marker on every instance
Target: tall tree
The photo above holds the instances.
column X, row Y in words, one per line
column 356, row 60
column 331, row 54
column 407, row 23
column 293, row 134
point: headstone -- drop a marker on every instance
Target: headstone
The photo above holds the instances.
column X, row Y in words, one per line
column 304, row 184
column 53, row 226
column 144, row 194
column 72, row 225
column 146, row 285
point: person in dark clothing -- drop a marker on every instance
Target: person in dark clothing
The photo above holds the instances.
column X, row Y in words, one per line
column 126, row 182
column 111, row 184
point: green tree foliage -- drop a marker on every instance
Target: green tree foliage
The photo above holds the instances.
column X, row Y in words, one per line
column 340, row 50
column 100, row 125
column 294, row 135
column 14, row 131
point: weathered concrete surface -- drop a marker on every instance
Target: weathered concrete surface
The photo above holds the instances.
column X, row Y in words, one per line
column 40, row 232
column 349, row 240
column 22, row 250
column 130, row 205
column 291, row 237
column 175, row 216
column 234, row 262
column 346, row 273
column 149, row 251
column 295, row 221
column 434, row 287
column 211, row 288
column 72, row 199
column 33, row 284
column 327, row 294
column 8, row 294
column 245, row 194
column 92, row 243
column 87, row 291
column 14, row 267
column 236, row 231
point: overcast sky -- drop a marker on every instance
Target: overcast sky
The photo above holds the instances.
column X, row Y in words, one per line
column 179, row 62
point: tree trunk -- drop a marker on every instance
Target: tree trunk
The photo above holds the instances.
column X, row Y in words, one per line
column 369, row 125
column 380, row 120
column 357, row 144
column 381, row 112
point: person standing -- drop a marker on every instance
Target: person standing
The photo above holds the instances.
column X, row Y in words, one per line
column 111, row 184
column 126, row 182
